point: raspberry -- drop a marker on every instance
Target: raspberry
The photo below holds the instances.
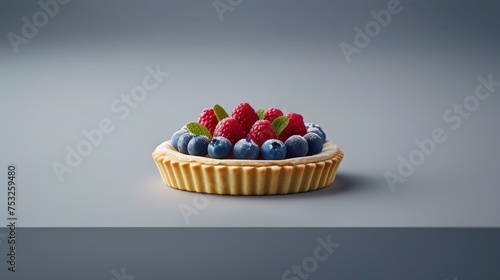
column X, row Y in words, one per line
column 261, row 131
column 246, row 116
column 208, row 119
column 230, row 129
column 273, row 113
column 295, row 126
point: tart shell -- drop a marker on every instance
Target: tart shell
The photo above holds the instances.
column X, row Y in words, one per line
column 247, row 177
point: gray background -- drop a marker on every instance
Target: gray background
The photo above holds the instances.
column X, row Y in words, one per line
column 254, row 253
column 284, row 54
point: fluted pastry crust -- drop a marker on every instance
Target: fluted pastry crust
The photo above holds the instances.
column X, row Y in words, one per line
column 247, row 177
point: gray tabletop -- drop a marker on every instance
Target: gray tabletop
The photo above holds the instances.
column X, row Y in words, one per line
column 409, row 92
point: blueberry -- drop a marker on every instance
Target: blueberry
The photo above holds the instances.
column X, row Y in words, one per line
column 176, row 136
column 219, row 148
column 198, row 146
column 273, row 149
column 314, row 142
column 318, row 131
column 296, row 146
column 310, row 124
column 246, row 149
column 183, row 142
column 312, row 127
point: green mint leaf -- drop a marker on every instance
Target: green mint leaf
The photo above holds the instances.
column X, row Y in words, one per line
column 220, row 112
column 279, row 124
column 261, row 113
column 198, row 129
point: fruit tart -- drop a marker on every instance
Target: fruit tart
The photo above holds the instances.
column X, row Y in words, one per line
column 249, row 152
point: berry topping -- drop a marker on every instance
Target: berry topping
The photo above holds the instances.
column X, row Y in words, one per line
column 273, row 113
column 182, row 144
column 230, row 129
column 296, row 146
column 295, row 126
column 248, row 134
column 176, row 136
column 208, row 119
column 246, row 149
column 219, row 148
column 261, row 131
column 310, row 124
column 318, row 131
column 198, row 146
column 314, row 142
column 312, row 127
column 246, row 116
column 273, row 149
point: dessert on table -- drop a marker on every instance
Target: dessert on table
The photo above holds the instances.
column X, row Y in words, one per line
column 250, row 152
